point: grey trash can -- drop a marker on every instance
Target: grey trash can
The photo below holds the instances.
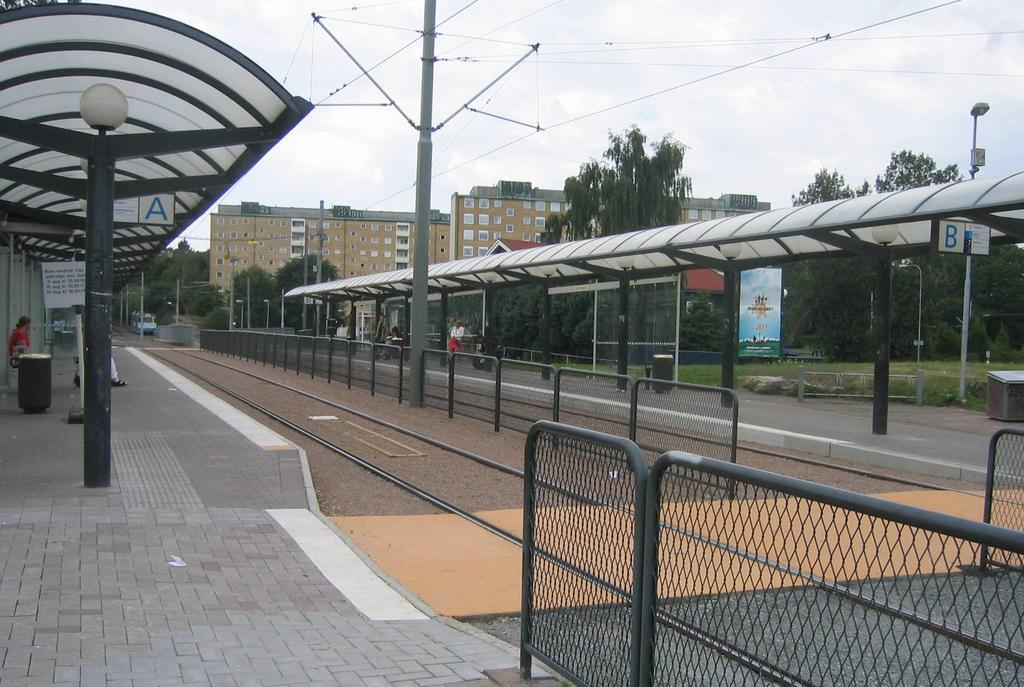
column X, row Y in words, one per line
column 661, row 368
column 34, row 391
column 1006, row 395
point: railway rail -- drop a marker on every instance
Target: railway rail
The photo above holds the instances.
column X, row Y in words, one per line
column 751, row 448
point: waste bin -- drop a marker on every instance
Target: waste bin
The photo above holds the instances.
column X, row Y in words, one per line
column 1006, row 395
column 34, row 382
column 661, row 368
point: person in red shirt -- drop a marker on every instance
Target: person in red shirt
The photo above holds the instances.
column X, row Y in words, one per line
column 19, row 341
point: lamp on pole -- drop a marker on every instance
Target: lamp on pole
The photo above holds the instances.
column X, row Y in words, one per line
column 918, row 343
column 267, row 301
column 104, row 108
column 977, row 162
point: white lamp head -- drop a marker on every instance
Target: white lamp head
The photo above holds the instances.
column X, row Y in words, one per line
column 884, row 234
column 731, row 251
column 626, row 262
column 103, row 107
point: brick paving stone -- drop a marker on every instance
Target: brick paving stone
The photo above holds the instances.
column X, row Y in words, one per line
column 87, row 596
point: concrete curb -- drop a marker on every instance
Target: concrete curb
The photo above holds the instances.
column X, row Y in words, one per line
column 858, row 453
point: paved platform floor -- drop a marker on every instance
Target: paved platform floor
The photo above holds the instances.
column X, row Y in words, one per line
column 177, row 574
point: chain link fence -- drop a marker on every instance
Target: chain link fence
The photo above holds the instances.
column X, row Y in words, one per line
column 582, row 554
column 388, row 370
column 595, row 400
column 527, row 394
column 476, row 386
column 752, row 578
column 675, row 416
column 1004, row 489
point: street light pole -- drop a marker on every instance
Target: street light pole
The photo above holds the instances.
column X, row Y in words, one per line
column 267, row 325
column 978, row 110
column 918, row 343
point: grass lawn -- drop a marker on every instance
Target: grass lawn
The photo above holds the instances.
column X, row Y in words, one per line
column 941, row 378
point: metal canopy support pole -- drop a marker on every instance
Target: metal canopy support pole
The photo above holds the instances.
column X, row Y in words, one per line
column 99, row 264
column 282, row 308
column 490, row 301
column 729, row 337
column 880, row 408
column 623, row 348
column 352, row 319
column 443, row 336
column 406, row 316
column 675, row 344
column 142, row 306
column 378, row 310
column 424, row 151
column 545, row 341
column 319, row 260
column 9, row 311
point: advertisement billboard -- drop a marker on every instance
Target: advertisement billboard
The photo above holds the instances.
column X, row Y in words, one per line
column 760, row 330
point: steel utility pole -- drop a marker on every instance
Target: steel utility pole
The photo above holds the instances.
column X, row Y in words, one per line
column 421, row 236
column 319, row 261
column 142, row 309
column 978, row 110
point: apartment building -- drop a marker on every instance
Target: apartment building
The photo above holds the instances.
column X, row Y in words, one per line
column 508, row 210
column 726, row 205
column 358, row 242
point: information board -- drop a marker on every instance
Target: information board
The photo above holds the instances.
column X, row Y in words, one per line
column 63, row 284
column 760, row 330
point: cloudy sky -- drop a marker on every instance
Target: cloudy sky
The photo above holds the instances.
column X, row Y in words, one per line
column 880, row 84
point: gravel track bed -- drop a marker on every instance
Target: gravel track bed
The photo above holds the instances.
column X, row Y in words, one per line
column 346, row 489
column 507, row 446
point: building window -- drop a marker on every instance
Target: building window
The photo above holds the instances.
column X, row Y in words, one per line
column 526, row 237
column 220, row 261
column 483, row 235
column 705, row 214
column 509, row 228
column 233, row 235
column 539, row 222
column 387, row 254
column 484, row 219
column 511, row 212
column 719, row 214
column 387, row 240
column 485, row 203
column 220, row 220
column 467, row 203
column 527, row 221
column 536, row 237
column 374, row 254
column 691, row 213
column 540, row 205
column 481, row 251
column 556, row 206
column 442, row 251
column 220, row 234
column 442, row 237
column 497, row 202
column 467, row 234
column 467, row 218
column 337, row 251
column 220, row 275
column 527, row 204
column 374, row 227
column 362, row 252
column 374, row 239
column 467, row 251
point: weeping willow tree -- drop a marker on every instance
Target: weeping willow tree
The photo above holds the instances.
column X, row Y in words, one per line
column 629, row 189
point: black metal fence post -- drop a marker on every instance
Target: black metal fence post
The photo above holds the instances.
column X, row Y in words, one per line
column 349, row 356
column 497, row 396
column 312, row 361
column 373, row 369
column 284, row 363
column 451, row 386
column 330, row 359
column 298, row 355
column 557, row 394
column 401, row 373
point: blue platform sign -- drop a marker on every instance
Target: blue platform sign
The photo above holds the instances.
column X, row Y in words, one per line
column 760, row 330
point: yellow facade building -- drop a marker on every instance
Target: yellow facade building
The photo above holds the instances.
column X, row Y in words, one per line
column 358, row 242
column 508, row 210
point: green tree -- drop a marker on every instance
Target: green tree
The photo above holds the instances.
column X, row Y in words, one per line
column 289, row 276
column 825, row 186
column 216, row 319
column 700, row 326
column 629, row 190
column 252, row 286
column 908, row 169
column 1002, row 351
column 944, row 343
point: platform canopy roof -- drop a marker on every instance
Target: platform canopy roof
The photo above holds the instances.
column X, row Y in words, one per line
column 200, row 115
column 855, row 226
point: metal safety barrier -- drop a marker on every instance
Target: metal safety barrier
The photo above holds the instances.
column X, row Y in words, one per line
column 660, row 415
column 583, row 512
column 750, row 577
column 1004, row 488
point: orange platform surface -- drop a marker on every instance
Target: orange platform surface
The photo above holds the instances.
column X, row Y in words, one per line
column 461, row 570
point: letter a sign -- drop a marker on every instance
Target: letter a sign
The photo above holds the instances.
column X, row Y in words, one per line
column 157, row 209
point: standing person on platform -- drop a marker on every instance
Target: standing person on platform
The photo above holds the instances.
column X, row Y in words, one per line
column 19, row 341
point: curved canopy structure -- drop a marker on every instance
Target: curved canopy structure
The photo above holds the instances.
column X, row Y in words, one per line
column 200, row 115
column 850, row 226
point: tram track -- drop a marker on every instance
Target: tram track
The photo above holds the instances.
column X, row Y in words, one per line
column 388, row 476
column 751, row 448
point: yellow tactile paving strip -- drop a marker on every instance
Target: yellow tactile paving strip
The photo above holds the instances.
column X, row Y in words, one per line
column 460, row 570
